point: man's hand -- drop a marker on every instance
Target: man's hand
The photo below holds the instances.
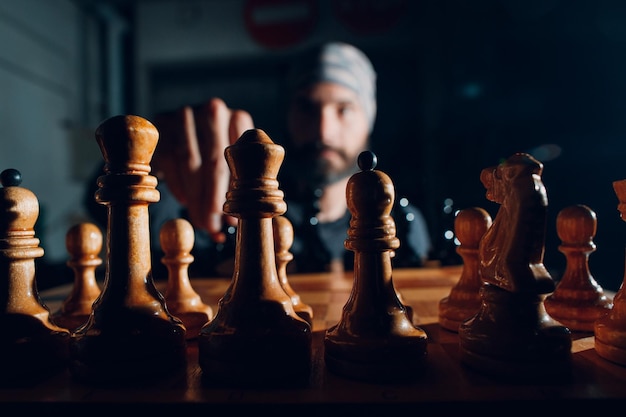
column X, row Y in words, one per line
column 190, row 159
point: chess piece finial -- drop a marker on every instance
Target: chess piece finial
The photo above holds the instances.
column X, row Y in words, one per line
column 463, row 302
column 130, row 335
column 512, row 335
column 374, row 339
column 177, row 240
column 256, row 337
column 610, row 329
column 83, row 242
column 283, row 239
column 33, row 347
column 578, row 300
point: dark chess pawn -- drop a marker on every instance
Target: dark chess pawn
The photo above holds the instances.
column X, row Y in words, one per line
column 33, row 347
column 464, row 299
column 177, row 240
column 578, row 300
column 283, row 239
column 256, row 338
column 610, row 330
column 83, row 243
column 512, row 336
column 374, row 340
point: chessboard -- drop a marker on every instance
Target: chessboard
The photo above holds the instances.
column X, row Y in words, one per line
column 444, row 383
column 134, row 348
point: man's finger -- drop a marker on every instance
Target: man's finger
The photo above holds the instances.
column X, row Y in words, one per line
column 240, row 121
column 212, row 121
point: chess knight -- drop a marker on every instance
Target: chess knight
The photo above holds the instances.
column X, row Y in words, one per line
column 512, row 334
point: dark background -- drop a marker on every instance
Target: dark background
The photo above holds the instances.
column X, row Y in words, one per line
column 463, row 86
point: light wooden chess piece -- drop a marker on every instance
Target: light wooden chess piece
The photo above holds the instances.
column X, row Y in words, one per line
column 512, row 336
column 84, row 243
column 256, row 338
column 464, row 299
column 177, row 240
column 610, row 330
column 374, row 340
column 130, row 335
column 578, row 300
column 33, row 347
column 283, row 239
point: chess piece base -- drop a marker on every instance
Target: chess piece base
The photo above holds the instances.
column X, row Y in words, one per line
column 513, row 336
column 33, row 354
column 577, row 317
column 452, row 315
column 610, row 341
column 388, row 359
column 256, row 358
column 127, row 350
column 551, row 368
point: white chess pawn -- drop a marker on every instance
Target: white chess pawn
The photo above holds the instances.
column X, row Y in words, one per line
column 177, row 239
column 32, row 346
column 84, row 243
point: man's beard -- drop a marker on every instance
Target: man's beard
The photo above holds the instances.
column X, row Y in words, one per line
column 319, row 172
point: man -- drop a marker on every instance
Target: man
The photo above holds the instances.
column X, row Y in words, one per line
column 331, row 115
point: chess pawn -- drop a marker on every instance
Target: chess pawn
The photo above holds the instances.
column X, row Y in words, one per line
column 32, row 346
column 464, row 299
column 84, row 243
column 177, row 240
column 130, row 335
column 610, row 330
column 283, row 239
column 578, row 301
column 512, row 336
column 374, row 340
column 256, row 338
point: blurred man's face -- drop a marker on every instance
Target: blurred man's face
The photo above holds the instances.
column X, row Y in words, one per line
column 328, row 130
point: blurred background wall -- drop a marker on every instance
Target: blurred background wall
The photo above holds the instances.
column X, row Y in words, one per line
column 462, row 85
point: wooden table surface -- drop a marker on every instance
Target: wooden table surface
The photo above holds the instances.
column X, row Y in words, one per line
column 445, row 384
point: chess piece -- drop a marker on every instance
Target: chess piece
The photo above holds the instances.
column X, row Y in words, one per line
column 256, row 338
column 610, row 329
column 130, row 335
column 84, row 243
column 464, row 299
column 283, row 239
column 32, row 346
column 177, row 239
column 578, row 300
column 511, row 335
column 374, row 340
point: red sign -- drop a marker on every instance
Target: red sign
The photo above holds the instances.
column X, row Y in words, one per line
column 280, row 23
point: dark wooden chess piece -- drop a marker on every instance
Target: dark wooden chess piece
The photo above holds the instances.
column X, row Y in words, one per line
column 130, row 335
column 32, row 347
column 578, row 300
column 610, row 330
column 177, row 240
column 511, row 335
column 84, row 243
column 464, row 299
column 256, row 338
column 283, row 239
column 375, row 340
